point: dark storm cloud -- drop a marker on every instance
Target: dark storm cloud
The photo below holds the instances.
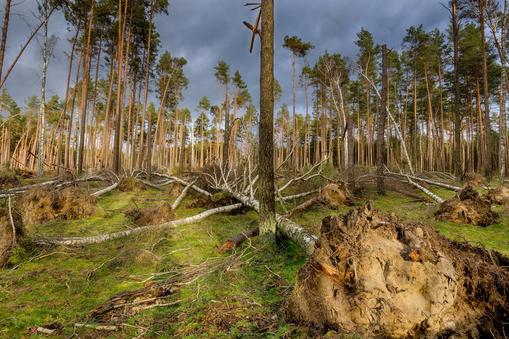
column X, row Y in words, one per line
column 204, row 31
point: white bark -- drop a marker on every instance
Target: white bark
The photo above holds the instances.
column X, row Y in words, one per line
column 181, row 197
column 183, row 182
column 42, row 109
column 81, row 241
column 105, row 190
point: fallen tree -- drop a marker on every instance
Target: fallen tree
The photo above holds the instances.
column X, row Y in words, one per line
column 372, row 275
column 81, row 241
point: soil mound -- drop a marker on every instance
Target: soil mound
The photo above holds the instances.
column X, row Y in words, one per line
column 9, row 180
column 469, row 207
column 7, row 235
column 499, row 196
column 151, row 215
column 473, row 179
column 374, row 276
column 130, row 184
column 45, row 204
column 336, row 195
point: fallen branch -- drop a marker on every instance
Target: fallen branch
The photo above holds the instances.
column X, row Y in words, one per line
column 110, row 328
column 81, row 241
column 181, row 196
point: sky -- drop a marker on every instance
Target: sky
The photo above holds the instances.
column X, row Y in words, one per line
column 205, row 31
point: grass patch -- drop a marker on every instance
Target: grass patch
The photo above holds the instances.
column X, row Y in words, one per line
column 62, row 285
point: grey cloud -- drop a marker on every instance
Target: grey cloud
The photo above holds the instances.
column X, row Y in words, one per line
column 205, row 31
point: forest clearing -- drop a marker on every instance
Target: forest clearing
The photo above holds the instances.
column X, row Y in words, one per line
column 375, row 204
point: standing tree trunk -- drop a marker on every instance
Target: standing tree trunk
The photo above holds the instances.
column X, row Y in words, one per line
column 118, row 120
column 380, row 142
column 226, row 141
column 84, row 89
column 266, row 193
column 456, row 106
column 487, row 125
column 148, row 160
column 502, row 129
column 42, row 110
column 5, row 28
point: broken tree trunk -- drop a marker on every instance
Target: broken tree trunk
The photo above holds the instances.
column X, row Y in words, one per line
column 185, row 183
column 428, row 181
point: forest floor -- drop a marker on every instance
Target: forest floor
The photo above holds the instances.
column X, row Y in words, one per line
column 57, row 288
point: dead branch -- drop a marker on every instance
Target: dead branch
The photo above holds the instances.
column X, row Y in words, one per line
column 81, row 241
column 306, row 176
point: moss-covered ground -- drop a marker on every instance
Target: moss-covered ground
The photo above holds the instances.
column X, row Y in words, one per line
column 58, row 287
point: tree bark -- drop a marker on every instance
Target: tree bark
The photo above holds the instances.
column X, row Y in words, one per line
column 380, row 147
column 266, row 193
column 5, row 28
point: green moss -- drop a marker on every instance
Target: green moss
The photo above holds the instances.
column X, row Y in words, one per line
column 63, row 285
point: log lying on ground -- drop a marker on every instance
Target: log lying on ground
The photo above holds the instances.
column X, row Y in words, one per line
column 372, row 275
column 427, row 181
column 81, row 241
column 105, row 190
column 468, row 207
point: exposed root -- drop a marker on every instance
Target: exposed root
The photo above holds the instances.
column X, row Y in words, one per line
column 45, row 204
column 473, row 179
column 336, row 195
column 499, row 196
column 131, row 184
column 374, row 276
column 469, row 207
column 151, row 215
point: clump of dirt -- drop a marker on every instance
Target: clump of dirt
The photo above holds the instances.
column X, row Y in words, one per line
column 473, row 179
column 131, row 184
column 374, row 276
column 468, row 207
column 75, row 204
column 151, row 215
column 499, row 196
column 9, row 180
column 45, row 204
column 8, row 235
column 336, row 195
